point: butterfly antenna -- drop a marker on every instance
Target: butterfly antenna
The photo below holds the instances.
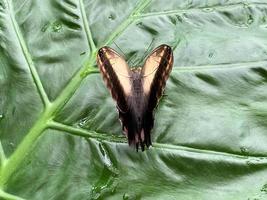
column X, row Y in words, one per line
column 129, row 60
column 149, row 47
column 120, row 49
column 181, row 35
column 147, row 50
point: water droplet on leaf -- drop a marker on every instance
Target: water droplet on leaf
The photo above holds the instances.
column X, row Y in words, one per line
column 244, row 150
column 264, row 189
column 45, row 27
column 82, row 122
column 102, row 150
column 125, row 196
column 264, row 20
column 95, row 193
column 211, row 54
column 112, row 16
column 250, row 20
column 249, row 163
column 3, row 5
column 76, row 17
column 113, row 190
column 56, row 26
column 208, row 9
column 179, row 18
column 245, row 5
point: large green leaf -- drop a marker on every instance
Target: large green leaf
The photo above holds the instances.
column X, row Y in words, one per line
column 59, row 130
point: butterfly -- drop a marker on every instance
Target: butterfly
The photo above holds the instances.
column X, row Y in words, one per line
column 136, row 90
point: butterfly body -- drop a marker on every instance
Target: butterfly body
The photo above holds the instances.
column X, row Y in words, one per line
column 137, row 93
column 137, row 90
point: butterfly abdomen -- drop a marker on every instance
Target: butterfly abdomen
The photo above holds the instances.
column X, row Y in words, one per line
column 136, row 136
column 137, row 93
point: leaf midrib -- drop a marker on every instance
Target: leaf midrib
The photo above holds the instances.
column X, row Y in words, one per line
column 121, row 139
column 51, row 109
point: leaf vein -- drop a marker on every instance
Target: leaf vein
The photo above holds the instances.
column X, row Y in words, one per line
column 181, row 11
column 66, row 129
column 87, row 28
column 27, row 56
column 8, row 196
column 130, row 19
column 221, row 66
column 2, row 156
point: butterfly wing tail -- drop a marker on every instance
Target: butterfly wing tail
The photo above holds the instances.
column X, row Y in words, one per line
column 138, row 135
column 148, row 125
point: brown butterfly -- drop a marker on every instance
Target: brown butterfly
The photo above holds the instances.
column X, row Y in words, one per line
column 137, row 90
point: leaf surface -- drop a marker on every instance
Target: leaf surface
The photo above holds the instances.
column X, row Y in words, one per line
column 59, row 130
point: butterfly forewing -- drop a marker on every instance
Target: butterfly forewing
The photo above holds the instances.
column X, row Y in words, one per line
column 116, row 75
column 155, row 73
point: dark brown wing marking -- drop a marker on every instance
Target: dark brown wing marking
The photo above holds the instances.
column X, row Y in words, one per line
column 116, row 75
column 155, row 73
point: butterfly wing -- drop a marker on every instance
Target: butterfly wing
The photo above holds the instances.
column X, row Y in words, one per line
column 116, row 75
column 155, row 73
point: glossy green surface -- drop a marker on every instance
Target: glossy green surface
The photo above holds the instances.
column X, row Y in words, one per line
column 59, row 130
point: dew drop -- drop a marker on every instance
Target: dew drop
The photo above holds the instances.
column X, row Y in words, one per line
column 244, row 150
column 125, row 196
column 3, row 5
column 208, row 9
column 113, row 190
column 95, row 194
column 211, row 54
column 102, row 149
column 112, row 16
column 249, row 163
column 179, row 18
column 264, row 20
column 56, row 26
column 45, row 27
column 264, row 189
column 82, row 122
column 189, row 3
column 245, row 5
column 13, row 111
column 76, row 17
column 139, row 24
column 2, row 116
column 250, row 20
